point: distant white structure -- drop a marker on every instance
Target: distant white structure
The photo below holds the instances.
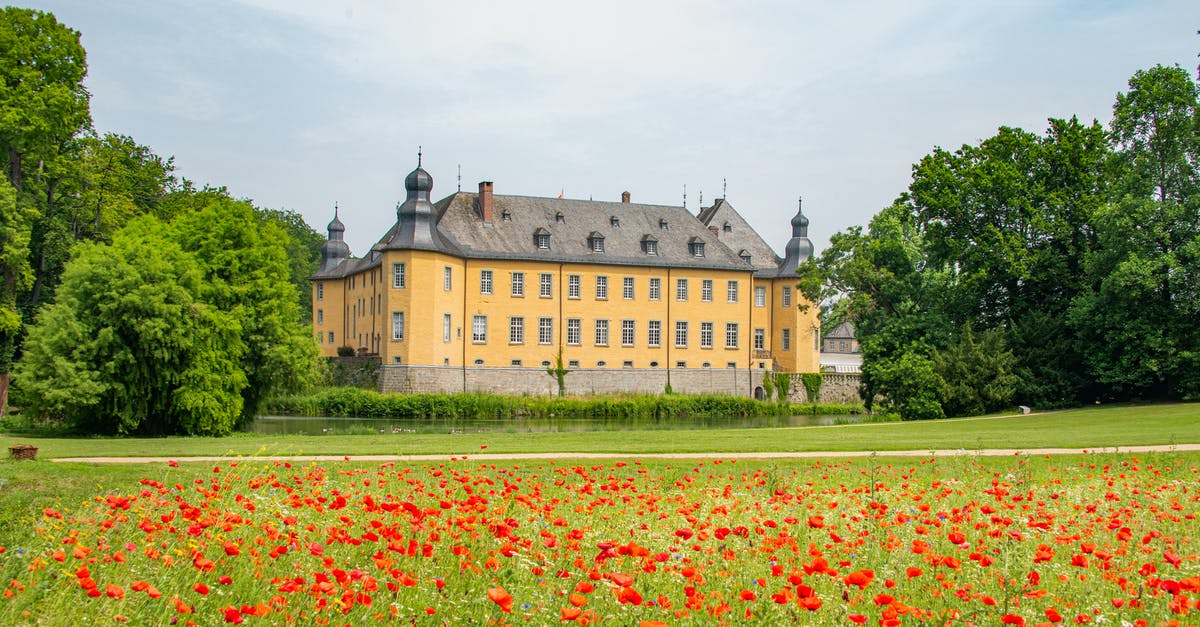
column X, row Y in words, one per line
column 840, row 351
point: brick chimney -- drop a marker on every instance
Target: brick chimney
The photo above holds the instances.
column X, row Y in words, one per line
column 625, row 197
column 485, row 201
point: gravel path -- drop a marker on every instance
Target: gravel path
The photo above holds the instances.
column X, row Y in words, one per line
column 1167, row 448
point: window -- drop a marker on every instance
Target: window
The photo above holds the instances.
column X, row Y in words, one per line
column 515, row 362
column 654, row 333
column 706, row 365
column 596, row 242
column 397, row 325
column 320, row 316
column 628, row 363
column 602, row 287
column 572, row 286
column 627, row 288
column 785, row 341
column 728, row 228
column 628, row 328
column 546, row 285
column 614, row 222
column 320, row 291
column 696, row 249
column 573, row 363
column 558, row 217
column 602, row 333
column 516, row 330
column 731, row 335
column 706, row 291
column 320, row 338
column 479, row 329
column 681, row 290
column 731, row 364
column 545, row 363
column 681, row 364
column 573, row 331
column 506, row 215
column 331, row 337
column 841, row 346
column 601, row 364
column 760, row 296
column 787, row 296
column 397, row 275
column 745, row 256
column 650, row 246
column 445, row 327
column 681, row 334
column 816, row 339
column 447, row 284
column 655, row 288
column 732, row 291
column 545, row 330
column 662, row 224
column 478, row 362
column 518, row 284
column 485, row 282
column 706, row 334
column 541, row 240
column 760, row 339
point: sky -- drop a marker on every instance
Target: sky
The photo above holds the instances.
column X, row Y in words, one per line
column 301, row 104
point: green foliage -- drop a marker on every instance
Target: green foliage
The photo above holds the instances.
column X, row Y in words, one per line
column 909, row 385
column 357, row 402
column 783, row 386
column 243, row 263
column 559, row 372
column 130, row 346
column 977, row 377
column 812, row 385
column 303, row 253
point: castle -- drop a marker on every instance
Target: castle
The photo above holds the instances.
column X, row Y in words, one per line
column 484, row 292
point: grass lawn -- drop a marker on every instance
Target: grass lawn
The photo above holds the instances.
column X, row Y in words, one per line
column 1100, row 427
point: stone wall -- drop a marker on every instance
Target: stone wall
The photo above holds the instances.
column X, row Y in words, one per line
column 839, row 387
column 535, row 381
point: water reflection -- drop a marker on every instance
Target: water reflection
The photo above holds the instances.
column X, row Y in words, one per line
column 313, row 425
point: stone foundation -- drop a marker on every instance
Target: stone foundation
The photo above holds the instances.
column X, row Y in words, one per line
column 841, row 388
column 580, row 381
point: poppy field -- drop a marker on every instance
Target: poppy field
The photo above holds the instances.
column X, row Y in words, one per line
column 1101, row 539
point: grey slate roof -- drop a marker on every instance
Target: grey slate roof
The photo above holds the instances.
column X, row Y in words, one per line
column 741, row 235
column 843, row 331
column 459, row 230
column 512, row 237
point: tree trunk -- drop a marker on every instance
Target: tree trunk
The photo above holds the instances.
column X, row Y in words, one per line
column 3, row 393
column 14, row 168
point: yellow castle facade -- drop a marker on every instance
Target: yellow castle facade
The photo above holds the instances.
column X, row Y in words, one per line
column 483, row 292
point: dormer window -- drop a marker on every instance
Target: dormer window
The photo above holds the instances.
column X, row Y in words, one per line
column 596, row 242
column 558, row 217
column 696, row 247
column 649, row 245
column 541, row 239
column 662, row 224
column 728, row 228
column 614, row 222
column 744, row 254
column 506, row 215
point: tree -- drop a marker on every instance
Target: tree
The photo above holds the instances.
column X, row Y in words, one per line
column 977, row 373
column 43, row 103
column 130, row 347
column 244, row 266
column 303, row 253
column 15, row 275
column 1138, row 313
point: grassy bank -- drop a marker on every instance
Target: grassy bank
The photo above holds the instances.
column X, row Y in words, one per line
column 360, row 403
column 1102, row 427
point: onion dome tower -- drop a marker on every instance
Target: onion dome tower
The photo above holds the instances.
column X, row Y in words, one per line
column 799, row 248
column 335, row 249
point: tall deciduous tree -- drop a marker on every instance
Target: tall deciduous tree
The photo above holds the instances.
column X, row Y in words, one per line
column 129, row 346
column 15, row 275
column 43, row 103
column 244, row 263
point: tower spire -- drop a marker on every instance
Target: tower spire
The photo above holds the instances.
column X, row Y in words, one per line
column 418, row 155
